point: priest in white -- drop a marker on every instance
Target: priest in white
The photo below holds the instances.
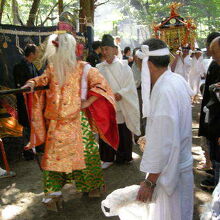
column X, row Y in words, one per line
column 197, row 70
column 120, row 77
column 167, row 159
column 182, row 63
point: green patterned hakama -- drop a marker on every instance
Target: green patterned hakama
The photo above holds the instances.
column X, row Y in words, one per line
column 87, row 179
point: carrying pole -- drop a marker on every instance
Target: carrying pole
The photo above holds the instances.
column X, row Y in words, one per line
column 15, row 91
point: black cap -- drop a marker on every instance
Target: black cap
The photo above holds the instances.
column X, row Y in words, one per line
column 108, row 40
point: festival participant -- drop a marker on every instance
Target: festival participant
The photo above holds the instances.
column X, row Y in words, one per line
column 120, row 77
column 167, row 159
column 196, row 71
column 117, row 44
column 182, row 63
column 214, row 114
column 71, row 152
column 94, row 57
column 212, row 77
column 136, row 69
column 127, row 56
column 22, row 72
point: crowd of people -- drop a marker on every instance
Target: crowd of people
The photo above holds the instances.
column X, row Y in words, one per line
column 117, row 96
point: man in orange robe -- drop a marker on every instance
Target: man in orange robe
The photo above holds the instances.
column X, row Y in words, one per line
column 56, row 114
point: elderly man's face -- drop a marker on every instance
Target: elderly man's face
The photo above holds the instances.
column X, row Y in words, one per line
column 108, row 53
column 197, row 55
column 215, row 50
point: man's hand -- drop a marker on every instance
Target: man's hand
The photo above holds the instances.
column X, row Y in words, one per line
column 218, row 85
column 219, row 141
column 145, row 193
column 118, row 97
column 29, row 85
column 88, row 102
column 85, row 104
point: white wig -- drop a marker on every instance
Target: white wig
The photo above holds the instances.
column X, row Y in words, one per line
column 61, row 56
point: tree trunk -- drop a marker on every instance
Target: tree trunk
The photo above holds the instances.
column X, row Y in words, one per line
column 86, row 14
column 2, row 9
column 60, row 6
column 15, row 15
column 33, row 12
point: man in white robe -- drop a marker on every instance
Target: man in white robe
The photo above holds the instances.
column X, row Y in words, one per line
column 182, row 63
column 117, row 43
column 167, row 159
column 120, row 78
column 196, row 71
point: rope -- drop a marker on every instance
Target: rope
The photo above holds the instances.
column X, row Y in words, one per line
column 27, row 33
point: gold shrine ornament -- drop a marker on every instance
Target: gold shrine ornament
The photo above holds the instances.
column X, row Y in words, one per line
column 5, row 45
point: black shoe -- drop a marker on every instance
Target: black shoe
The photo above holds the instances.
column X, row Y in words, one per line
column 208, row 184
column 210, row 172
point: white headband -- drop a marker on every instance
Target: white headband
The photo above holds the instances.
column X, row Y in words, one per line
column 144, row 54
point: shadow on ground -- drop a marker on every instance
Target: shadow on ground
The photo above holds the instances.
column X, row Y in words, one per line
column 21, row 196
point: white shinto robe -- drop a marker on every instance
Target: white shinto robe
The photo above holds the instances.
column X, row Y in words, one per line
column 120, row 77
column 196, row 71
column 137, row 75
column 183, row 67
column 168, row 148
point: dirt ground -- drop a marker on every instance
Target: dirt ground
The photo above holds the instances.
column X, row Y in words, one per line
column 21, row 196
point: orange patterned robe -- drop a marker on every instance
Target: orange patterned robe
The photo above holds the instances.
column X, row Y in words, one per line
column 56, row 117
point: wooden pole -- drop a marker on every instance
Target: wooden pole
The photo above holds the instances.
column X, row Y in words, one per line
column 15, row 91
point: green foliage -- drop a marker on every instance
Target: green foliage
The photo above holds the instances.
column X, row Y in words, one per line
column 45, row 7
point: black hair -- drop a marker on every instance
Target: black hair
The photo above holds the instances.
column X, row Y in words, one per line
column 156, row 44
column 211, row 37
column 186, row 48
column 135, row 50
column 127, row 49
column 96, row 45
column 30, row 48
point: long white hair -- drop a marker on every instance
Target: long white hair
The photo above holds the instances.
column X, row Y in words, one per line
column 61, row 55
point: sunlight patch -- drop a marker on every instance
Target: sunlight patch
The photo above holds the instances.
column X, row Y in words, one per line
column 135, row 156
column 11, row 211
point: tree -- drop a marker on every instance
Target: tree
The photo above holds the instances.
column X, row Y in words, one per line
column 33, row 12
column 15, row 13
column 2, row 9
column 60, row 6
column 87, row 11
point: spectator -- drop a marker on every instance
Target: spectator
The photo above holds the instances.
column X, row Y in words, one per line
column 22, row 72
column 94, row 57
column 127, row 56
column 213, row 76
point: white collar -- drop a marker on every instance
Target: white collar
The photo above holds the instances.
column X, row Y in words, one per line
column 116, row 59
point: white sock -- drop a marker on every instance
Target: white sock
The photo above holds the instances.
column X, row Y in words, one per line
column 2, row 171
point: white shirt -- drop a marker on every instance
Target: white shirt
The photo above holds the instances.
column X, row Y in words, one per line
column 121, row 80
column 169, row 130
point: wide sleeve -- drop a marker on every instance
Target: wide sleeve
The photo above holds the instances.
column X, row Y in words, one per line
column 162, row 152
column 160, row 140
column 44, row 79
column 128, row 83
column 102, row 113
column 98, row 84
